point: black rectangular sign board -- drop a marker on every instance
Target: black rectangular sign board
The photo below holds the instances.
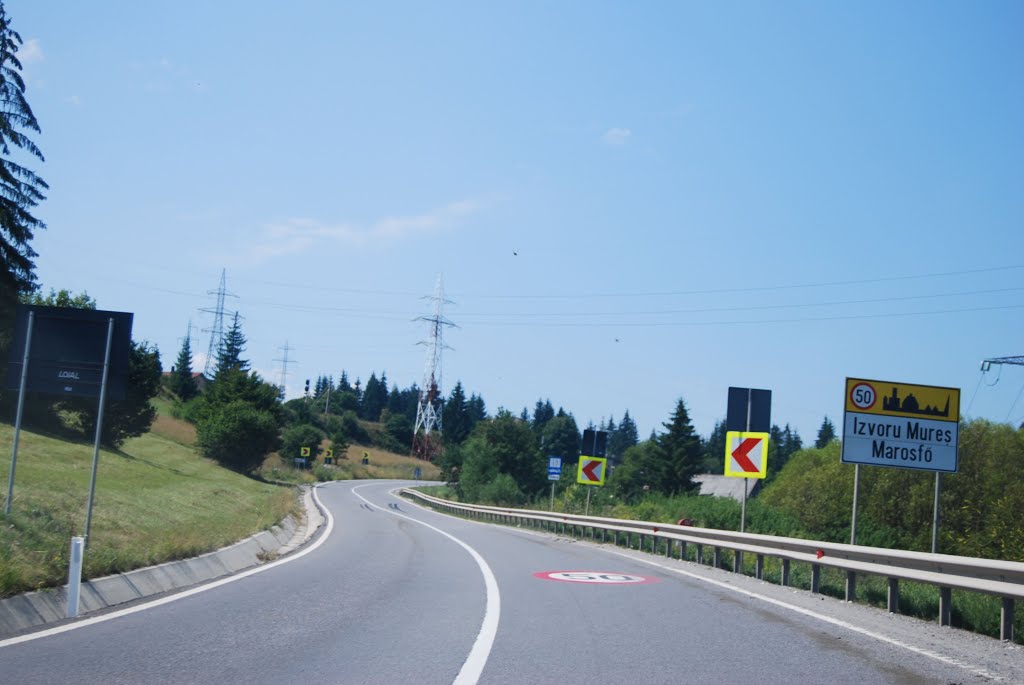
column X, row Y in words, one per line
column 594, row 443
column 67, row 351
column 760, row 404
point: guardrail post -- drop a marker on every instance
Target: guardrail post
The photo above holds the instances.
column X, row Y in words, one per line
column 669, row 543
column 815, row 578
column 700, row 553
column 893, row 598
column 737, row 561
column 682, row 549
column 759, row 568
column 945, row 605
column 851, row 586
column 717, row 559
column 1006, row 620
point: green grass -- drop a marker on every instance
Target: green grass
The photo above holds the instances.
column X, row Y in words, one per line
column 383, row 464
column 155, row 501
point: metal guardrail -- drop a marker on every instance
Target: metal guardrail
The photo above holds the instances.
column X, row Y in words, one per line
column 1004, row 579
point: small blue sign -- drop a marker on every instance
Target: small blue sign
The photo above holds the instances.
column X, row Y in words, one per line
column 554, row 468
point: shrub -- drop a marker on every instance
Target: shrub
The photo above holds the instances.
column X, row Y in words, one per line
column 237, row 436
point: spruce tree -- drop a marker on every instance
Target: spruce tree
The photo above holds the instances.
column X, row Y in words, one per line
column 624, row 437
column 455, row 417
column 682, row 451
column 477, row 410
column 542, row 413
column 182, row 383
column 374, row 399
column 826, row 434
column 20, row 188
column 229, row 354
column 714, row 449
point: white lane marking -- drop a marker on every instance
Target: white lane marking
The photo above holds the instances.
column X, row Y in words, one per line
column 976, row 670
column 181, row 595
column 470, row 672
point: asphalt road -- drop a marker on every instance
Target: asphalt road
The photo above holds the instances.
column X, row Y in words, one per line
column 392, row 593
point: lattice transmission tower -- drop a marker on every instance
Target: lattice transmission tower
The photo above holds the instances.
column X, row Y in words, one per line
column 217, row 330
column 284, row 366
column 426, row 440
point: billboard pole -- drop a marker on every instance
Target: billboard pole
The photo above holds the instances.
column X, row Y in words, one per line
column 17, row 421
column 99, row 429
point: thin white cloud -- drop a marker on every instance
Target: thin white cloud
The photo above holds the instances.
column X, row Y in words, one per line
column 299, row 235
column 616, row 137
column 74, row 100
column 30, row 52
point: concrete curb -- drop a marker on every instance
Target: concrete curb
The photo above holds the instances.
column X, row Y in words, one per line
column 34, row 609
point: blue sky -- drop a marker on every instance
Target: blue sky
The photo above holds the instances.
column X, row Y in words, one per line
column 629, row 202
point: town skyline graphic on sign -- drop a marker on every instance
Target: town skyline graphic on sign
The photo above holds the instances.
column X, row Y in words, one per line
column 909, row 405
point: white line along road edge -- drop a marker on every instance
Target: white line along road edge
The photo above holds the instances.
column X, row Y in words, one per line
column 470, row 672
column 180, row 595
column 821, row 617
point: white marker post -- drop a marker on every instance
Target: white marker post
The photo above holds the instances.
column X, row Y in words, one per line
column 75, row 575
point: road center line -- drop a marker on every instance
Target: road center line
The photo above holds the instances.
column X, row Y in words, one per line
column 470, row 672
column 180, row 595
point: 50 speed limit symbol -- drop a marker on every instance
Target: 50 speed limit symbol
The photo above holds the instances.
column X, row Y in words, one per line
column 595, row 577
column 863, row 396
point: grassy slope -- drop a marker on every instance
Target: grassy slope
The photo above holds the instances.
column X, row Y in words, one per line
column 155, row 501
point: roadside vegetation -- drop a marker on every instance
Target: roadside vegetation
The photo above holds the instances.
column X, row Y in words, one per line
column 809, row 494
column 156, row 501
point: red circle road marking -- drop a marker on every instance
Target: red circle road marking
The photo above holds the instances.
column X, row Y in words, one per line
column 596, row 577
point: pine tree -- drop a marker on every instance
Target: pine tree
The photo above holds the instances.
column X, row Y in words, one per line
column 343, row 385
column 20, row 188
column 182, row 383
column 826, row 434
column 682, row 451
column 229, row 354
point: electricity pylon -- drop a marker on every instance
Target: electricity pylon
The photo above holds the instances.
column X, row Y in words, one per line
column 426, row 440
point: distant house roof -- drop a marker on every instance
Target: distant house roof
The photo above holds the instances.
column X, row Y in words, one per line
column 197, row 376
column 721, row 486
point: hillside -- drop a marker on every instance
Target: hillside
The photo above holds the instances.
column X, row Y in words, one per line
column 155, row 501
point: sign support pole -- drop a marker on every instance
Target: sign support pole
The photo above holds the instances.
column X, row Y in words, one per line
column 856, row 489
column 935, row 517
column 589, row 488
column 552, row 507
column 21, row 408
column 99, row 430
column 743, row 506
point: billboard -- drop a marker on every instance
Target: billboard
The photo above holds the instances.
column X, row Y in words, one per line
column 67, row 350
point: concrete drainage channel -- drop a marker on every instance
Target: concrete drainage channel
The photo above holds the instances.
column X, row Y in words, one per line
column 34, row 609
